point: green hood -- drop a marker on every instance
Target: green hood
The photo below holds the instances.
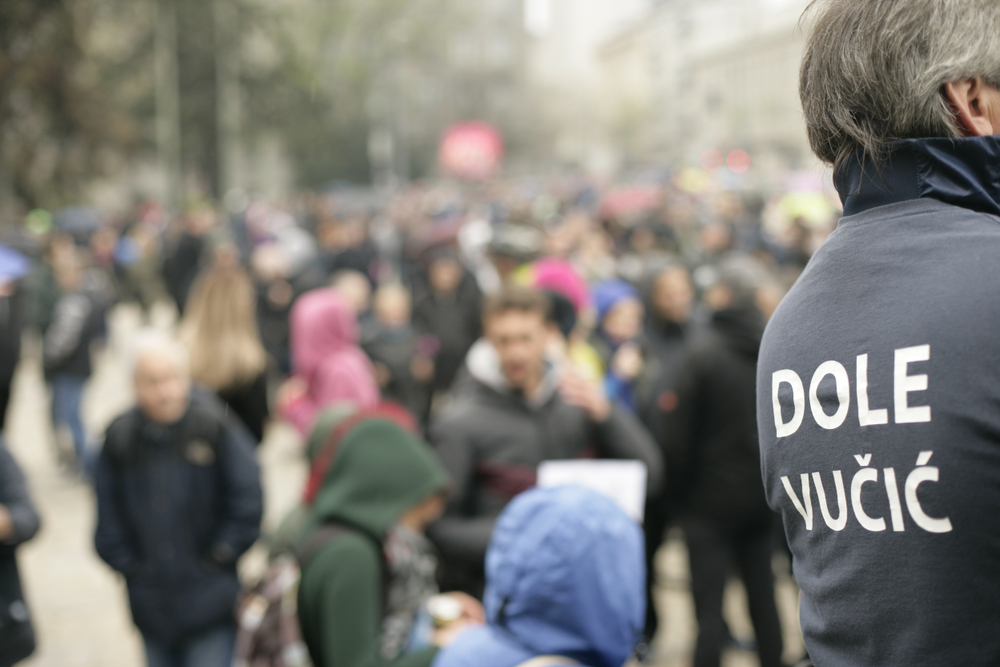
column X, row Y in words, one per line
column 290, row 529
column 380, row 471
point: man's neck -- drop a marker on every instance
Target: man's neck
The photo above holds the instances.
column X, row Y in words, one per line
column 529, row 388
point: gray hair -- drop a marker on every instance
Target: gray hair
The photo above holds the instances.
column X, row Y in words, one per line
column 152, row 341
column 874, row 70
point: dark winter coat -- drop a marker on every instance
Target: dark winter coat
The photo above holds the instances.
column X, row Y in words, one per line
column 663, row 344
column 879, row 409
column 455, row 322
column 248, row 403
column 491, row 441
column 16, row 638
column 712, row 432
column 11, row 325
column 77, row 321
column 395, row 350
column 181, row 267
column 177, row 505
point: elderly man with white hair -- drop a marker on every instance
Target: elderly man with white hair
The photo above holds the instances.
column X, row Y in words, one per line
column 178, row 501
column 878, row 385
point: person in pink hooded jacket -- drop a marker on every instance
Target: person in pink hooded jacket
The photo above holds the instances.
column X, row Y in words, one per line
column 328, row 365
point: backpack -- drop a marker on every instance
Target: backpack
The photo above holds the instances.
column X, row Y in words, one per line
column 268, row 632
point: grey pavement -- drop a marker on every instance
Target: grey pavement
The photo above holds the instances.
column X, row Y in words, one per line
column 78, row 604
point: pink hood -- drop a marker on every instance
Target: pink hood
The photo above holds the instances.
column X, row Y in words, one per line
column 325, row 353
column 322, row 323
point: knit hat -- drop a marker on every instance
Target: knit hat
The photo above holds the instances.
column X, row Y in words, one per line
column 559, row 276
column 609, row 293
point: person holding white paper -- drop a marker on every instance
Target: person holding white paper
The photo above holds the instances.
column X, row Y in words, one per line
column 517, row 411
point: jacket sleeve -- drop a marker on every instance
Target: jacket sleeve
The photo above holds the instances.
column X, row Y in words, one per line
column 622, row 436
column 459, row 536
column 111, row 538
column 17, row 500
column 300, row 413
column 243, row 504
column 340, row 595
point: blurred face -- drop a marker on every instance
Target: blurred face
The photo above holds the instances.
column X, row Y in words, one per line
column 673, row 295
column 419, row 516
column 200, row 222
column 643, row 240
column 392, row 309
column 445, row 275
column 162, row 387
column 519, row 338
column 356, row 291
column 69, row 276
column 624, row 321
column 715, row 238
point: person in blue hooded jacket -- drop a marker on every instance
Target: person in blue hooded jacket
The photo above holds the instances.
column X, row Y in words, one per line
column 878, row 383
column 620, row 314
column 565, row 579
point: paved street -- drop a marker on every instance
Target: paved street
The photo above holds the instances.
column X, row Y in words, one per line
column 79, row 604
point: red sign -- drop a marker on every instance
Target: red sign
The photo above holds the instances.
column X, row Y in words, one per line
column 471, row 151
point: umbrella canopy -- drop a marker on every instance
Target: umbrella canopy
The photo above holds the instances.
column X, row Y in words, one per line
column 13, row 265
column 629, row 200
column 77, row 220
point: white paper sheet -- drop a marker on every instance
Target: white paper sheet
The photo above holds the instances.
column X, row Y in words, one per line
column 621, row 481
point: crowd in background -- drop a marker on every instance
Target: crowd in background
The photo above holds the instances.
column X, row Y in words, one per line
column 353, row 297
column 413, row 266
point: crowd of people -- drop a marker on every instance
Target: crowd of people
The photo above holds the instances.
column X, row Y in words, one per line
column 432, row 348
column 441, row 348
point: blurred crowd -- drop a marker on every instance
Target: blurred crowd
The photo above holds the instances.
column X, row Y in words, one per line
column 413, row 266
column 424, row 310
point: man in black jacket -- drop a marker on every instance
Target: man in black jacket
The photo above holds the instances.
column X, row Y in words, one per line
column 712, row 433
column 667, row 332
column 178, row 501
column 517, row 411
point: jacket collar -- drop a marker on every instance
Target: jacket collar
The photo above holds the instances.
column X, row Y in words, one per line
column 962, row 172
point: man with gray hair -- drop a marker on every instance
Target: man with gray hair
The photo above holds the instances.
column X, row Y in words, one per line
column 878, row 386
column 178, row 502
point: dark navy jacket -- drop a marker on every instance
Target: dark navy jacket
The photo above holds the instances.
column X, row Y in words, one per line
column 878, row 404
column 177, row 505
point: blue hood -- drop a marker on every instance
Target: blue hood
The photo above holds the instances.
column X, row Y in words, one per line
column 962, row 172
column 566, row 576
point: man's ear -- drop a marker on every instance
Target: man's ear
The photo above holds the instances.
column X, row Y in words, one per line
column 968, row 98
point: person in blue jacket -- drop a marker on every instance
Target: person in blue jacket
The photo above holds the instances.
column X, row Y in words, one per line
column 566, row 577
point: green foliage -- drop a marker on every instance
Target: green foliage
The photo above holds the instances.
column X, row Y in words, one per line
column 78, row 96
column 56, row 129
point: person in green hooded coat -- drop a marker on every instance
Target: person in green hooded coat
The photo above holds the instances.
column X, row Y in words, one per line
column 285, row 537
column 360, row 591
